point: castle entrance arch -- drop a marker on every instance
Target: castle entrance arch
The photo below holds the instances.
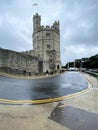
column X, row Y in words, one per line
column 58, row 67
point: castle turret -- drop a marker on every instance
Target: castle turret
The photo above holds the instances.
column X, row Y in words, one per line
column 56, row 25
column 46, row 45
column 36, row 22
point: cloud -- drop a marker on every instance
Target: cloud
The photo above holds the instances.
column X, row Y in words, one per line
column 78, row 25
column 15, row 34
column 81, row 25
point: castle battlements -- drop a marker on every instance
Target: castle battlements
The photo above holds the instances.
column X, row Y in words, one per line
column 46, row 44
column 38, row 27
column 44, row 57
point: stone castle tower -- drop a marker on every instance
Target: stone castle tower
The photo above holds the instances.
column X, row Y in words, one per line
column 46, row 45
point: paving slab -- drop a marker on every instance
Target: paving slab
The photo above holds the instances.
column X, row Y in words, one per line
column 36, row 117
column 75, row 118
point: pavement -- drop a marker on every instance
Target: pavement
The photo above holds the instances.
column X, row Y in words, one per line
column 29, row 77
column 54, row 116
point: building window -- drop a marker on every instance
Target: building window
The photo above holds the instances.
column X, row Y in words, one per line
column 48, row 46
column 39, row 55
column 37, row 47
column 47, row 34
column 37, row 37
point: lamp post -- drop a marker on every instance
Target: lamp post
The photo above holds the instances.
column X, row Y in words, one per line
column 82, row 64
column 68, row 66
column 74, row 65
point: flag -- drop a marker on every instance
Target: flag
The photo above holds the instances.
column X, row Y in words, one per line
column 35, row 4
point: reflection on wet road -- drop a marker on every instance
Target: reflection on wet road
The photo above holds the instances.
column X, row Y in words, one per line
column 64, row 84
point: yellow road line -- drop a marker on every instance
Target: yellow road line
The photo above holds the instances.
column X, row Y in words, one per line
column 49, row 100
column 6, row 101
column 79, row 93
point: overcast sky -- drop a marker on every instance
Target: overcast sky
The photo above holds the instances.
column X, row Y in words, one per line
column 78, row 25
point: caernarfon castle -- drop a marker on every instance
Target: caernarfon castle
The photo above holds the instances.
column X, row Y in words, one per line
column 45, row 55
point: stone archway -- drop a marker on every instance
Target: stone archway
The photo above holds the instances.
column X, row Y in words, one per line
column 58, row 67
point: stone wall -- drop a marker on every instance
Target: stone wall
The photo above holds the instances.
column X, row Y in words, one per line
column 46, row 44
column 18, row 61
column 29, row 52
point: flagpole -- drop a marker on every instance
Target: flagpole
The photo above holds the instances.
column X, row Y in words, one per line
column 36, row 5
column 37, row 8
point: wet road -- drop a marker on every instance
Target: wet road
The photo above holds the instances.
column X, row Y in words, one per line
column 64, row 84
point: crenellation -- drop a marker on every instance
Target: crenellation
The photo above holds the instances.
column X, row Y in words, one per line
column 49, row 39
column 17, row 60
column 45, row 55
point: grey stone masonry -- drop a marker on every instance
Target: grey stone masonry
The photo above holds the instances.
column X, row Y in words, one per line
column 46, row 44
column 17, row 60
column 45, row 55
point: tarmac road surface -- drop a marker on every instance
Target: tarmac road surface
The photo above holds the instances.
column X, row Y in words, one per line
column 33, row 89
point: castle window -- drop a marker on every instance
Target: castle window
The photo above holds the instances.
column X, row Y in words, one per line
column 38, row 47
column 48, row 46
column 47, row 34
column 37, row 37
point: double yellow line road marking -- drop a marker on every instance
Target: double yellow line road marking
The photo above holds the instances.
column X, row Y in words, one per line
column 49, row 100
